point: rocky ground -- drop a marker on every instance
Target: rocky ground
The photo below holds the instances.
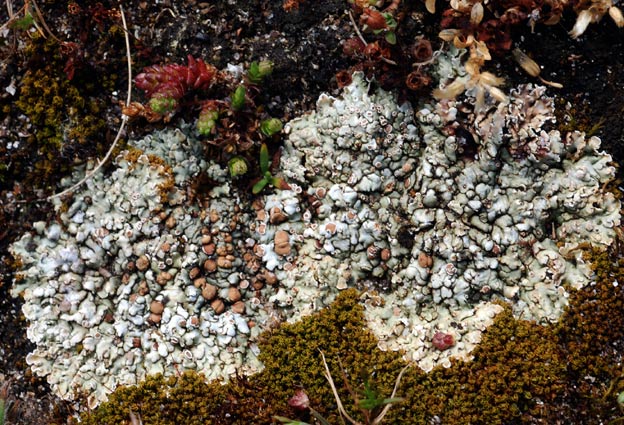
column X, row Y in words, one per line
column 305, row 45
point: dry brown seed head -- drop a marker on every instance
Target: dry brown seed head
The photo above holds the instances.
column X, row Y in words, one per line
column 529, row 65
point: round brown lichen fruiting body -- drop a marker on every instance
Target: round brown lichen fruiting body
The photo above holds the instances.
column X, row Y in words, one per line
column 209, row 292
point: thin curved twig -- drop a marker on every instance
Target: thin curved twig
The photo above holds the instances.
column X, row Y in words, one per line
column 124, row 118
column 43, row 22
column 341, row 408
column 357, row 30
column 387, row 407
column 363, row 40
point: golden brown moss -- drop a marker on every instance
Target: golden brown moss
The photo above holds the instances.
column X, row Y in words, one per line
column 292, row 358
column 165, row 188
column 591, row 332
column 596, row 321
column 66, row 119
column 577, row 116
column 516, row 366
column 185, row 398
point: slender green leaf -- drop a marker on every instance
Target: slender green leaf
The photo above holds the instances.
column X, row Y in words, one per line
column 22, row 24
column 390, row 21
column 264, row 159
column 257, row 188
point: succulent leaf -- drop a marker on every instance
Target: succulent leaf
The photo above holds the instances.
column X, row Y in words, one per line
column 264, row 159
column 257, row 188
column 238, row 98
column 237, row 166
column 258, row 70
column 271, row 126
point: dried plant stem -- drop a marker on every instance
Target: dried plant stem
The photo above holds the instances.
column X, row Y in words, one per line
column 9, row 7
column 363, row 40
column 357, row 30
column 329, row 378
column 43, row 22
column 377, row 420
column 12, row 16
column 124, row 118
column 387, row 407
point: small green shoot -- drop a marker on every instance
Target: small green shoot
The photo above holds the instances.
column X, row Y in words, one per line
column 264, row 159
column 22, row 24
column 207, row 121
column 596, row 127
column 390, row 37
column 258, row 70
column 238, row 98
column 162, row 104
column 391, row 25
column 367, row 406
column 271, row 127
column 267, row 178
column 237, row 166
column 372, row 401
